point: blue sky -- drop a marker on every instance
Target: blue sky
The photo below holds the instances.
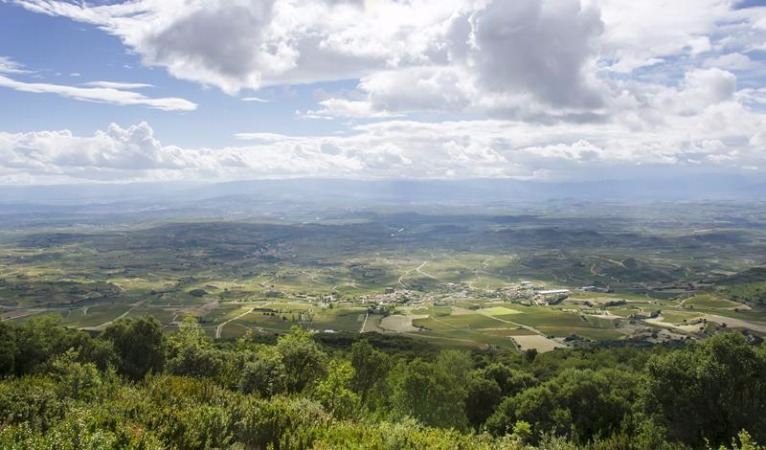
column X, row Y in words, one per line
column 241, row 89
column 61, row 51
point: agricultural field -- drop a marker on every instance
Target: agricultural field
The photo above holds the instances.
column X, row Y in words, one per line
column 475, row 280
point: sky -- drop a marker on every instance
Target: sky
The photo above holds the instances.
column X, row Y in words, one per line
column 216, row 90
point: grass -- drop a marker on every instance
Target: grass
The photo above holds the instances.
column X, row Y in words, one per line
column 710, row 301
column 508, row 332
column 472, row 321
column 96, row 315
column 432, row 324
column 262, row 320
column 340, row 320
column 678, row 317
column 499, row 311
column 468, row 338
column 562, row 324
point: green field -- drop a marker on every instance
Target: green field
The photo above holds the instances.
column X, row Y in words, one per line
column 710, row 301
column 463, row 272
column 96, row 315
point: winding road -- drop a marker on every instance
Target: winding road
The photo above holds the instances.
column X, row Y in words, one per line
column 219, row 328
column 419, row 270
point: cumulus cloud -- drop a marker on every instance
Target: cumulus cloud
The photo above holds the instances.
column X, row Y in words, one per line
column 341, row 107
column 700, row 89
column 552, row 87
column 532, row 46
column 529, row 59
column 538, row 48
column 732, row 61
column 723, row 134
column 641, row 34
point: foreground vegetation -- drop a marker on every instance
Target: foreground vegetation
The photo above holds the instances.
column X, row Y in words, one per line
column 133, row 386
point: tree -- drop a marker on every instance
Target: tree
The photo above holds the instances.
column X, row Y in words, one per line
column 76, row 380
column 139, row 345
column 370, row 368
column 510, row 381
column 191, row 353
column 37, row 341
column 579, row 403
column 266, row 376
column 334, row 391
column 482, row 397
column 304, row 362
column 430, row 393
column 709, row 391
column 8, row 350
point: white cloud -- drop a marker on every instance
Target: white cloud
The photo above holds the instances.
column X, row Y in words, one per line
column 720, row 134
column 642, row 33
column 117, row 85
column 341, row 107
column 699, row 45
column 7, row 65
column 104, row 94
column 533, row 59
column 554, row 88
column 700, row 89
column 255, row 100
column 732, row 61
column 536, row 47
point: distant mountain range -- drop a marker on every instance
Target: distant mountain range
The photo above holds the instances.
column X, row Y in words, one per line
column 476, row 191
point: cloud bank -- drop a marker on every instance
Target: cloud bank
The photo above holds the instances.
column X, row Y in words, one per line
column 442, row 88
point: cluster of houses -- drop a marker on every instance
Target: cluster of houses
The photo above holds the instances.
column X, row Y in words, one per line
column 390, row 295
column 526, row 293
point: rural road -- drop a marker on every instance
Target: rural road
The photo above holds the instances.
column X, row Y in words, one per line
column 219, row 329
column 106, row 324
column 366, row 316
column 419, row 270
column 737, row 323
column 22, row 314
column 526, row 327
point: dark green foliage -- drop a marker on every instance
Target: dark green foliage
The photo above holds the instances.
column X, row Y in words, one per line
column 33, row 401
column 433, row 393
column 579, row 403
column 710, row 391
column 39, row 340
column 510, row 381
column 304, row 362
column 280, row 423
column 482, row 397
column 190, row 353
column 370, row 368
column 8, row 350
column 291, row 395
column 139, row 344
column 266, row 376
